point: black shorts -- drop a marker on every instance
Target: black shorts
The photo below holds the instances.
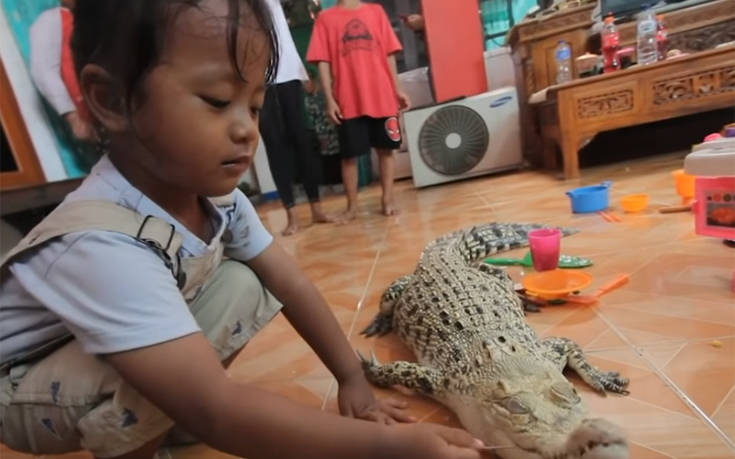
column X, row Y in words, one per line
column 358, row 135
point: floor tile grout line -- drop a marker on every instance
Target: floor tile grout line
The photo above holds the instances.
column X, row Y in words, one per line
column 661, row 342
column 359, row 306
column 692, row 416
column 722, row 402
column 671, row 316
column 482, row 198
column 653, row 449
column 373, row 268
column 670, row 359
column 672, row 385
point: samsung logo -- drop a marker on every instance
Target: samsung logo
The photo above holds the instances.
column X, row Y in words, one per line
column 502, row 101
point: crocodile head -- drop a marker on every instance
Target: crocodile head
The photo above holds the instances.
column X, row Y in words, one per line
column 529, row 405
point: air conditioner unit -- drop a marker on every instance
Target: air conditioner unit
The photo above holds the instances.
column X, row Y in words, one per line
column 464, row 138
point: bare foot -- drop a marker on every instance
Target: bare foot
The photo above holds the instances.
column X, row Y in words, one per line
column 389, row 208
column 323, row 218
column 347, row 216
column 290, row 229
column 319, row 216
column 293, row 223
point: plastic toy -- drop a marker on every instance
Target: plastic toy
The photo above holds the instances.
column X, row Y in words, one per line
column 565, row 261
column 713, row 162
column 555, row 284
column 684, row 185
column 590, row 198
column 634, row 202
column 545, row 244
column 591, row 299
column 609, row 216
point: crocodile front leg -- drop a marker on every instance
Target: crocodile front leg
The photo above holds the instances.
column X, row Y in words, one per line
column 565, row 352
column 424, row 380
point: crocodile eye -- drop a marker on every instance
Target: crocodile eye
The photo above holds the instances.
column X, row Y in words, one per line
column 515, row 406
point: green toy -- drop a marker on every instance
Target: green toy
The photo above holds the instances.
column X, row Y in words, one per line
column 565, row 261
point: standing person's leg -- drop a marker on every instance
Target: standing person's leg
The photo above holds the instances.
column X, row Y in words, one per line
column 280, row 155
column 385, row 136
column 354, row 141
column 291, row 97
column 386, row 162
column 349, row 180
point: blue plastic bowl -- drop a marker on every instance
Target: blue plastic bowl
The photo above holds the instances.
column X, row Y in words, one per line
column 590, row 198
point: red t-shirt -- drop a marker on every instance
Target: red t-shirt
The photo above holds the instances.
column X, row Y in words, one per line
column 68, row 73
column 356, row 43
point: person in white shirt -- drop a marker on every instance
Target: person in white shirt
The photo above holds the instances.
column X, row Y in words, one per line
column 283, row 129
column 46, row 47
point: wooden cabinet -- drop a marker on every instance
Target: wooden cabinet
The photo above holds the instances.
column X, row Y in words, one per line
column 534, row 42
column 573, row 113
column 20, row 166
column 695, row 28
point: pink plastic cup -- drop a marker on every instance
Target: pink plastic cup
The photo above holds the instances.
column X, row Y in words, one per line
column 545, row 244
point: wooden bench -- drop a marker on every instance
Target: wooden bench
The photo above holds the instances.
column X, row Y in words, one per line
column 571, row 114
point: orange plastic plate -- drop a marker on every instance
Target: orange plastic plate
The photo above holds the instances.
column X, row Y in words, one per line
column 556, row 283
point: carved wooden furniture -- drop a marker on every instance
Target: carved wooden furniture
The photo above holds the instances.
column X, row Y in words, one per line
column 533, row 42
column 693, row 28
column 573, row 113
column 696, row 28
column 20, row 166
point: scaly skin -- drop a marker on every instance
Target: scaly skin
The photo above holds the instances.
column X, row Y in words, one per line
column 478, row 356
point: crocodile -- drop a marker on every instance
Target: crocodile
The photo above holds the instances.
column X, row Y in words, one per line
column 464, row 322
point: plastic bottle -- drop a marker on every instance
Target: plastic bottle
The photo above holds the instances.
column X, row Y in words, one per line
column 662, row 38
column 646, row 52
column 563, row 55
column 610, row 45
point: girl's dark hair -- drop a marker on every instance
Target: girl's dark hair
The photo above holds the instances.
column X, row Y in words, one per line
column 126, row 36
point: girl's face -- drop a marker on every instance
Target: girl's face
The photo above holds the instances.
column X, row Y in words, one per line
column 197, row 124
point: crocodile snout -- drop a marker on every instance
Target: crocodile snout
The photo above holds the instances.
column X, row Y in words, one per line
column 598, row 439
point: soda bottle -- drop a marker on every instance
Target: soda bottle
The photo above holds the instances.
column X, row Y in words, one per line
column 563, row 55
column 662, row 38
column 610, row 45
column 646, row 38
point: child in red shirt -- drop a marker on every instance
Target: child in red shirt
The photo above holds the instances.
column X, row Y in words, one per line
column 354, row 46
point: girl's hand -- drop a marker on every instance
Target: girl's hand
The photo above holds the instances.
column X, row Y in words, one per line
column 80, row 128
column 404, row 102
column 356, row 400
column 429, row 441
column 334, row 112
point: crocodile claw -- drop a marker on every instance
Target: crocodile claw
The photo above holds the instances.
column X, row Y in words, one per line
column 373, row 361
column 381, row 325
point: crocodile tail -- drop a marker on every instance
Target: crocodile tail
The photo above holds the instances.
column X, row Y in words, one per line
column 483, row 240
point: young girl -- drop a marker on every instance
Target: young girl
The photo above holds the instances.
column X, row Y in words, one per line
column 118, row 315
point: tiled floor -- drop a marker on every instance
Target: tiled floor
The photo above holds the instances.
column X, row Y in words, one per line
column 671, row 329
